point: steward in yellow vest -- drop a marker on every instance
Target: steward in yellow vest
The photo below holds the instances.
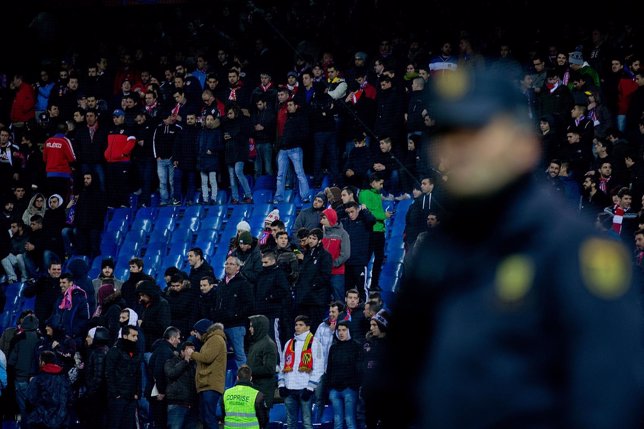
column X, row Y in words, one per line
column 244, row 406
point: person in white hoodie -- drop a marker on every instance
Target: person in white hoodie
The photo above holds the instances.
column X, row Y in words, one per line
column 301, row 367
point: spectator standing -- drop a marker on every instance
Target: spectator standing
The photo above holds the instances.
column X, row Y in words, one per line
column 236, row 132
column 244, row 405
column 235, row 303
column 263, row 358
column 210, row 375
column 301, row 366
column 120, row 143
column 211, row 147
column 123, row 372
column 181, row 393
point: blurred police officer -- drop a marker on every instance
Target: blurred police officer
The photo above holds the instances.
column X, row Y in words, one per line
column 533, row 319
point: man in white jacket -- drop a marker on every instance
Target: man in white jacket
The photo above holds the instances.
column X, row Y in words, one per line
column 301, row 366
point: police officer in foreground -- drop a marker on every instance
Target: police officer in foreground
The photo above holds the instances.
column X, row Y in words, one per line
column 532, row 320
column 244, row 405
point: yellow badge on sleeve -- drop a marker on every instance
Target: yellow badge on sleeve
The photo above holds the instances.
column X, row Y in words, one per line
column 514, row 277
column 605, row 268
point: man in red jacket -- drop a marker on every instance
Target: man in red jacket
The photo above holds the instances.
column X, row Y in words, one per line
column 336, row 241
column 58, row 155
column 24, row 102
column 120, row 144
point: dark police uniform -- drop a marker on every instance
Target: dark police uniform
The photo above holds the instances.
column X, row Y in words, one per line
column 530, row 319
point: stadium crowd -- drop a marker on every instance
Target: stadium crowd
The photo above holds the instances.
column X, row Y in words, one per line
column 297, row 316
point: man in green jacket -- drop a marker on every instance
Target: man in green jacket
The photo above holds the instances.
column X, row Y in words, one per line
column 262, row 358
column 372, row 199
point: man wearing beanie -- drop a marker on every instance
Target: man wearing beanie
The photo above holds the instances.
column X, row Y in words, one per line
column 336, row 241
column 247, row 251
column 106, row 276
column 309, row 218
column 241, row 227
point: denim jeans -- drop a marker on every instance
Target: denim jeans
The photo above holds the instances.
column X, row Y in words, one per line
column 145, row 167
column 344, row 403
column 264, row 160
column 208, row 400
column 235, row 337
column 337, row 286
column 121, row 413
column 210, row 177
column 191, row 185
column 325, row 145
column 295, row 156
column 165, row 171
column 21, row 398
column 621, row 122
column 10, row 263
column 238, row 171
column 293, row 404
column 182, row 417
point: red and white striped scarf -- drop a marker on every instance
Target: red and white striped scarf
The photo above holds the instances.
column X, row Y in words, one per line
column 618, row 218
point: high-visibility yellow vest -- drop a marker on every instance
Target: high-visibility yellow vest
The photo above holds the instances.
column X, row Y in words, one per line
column 239, row 403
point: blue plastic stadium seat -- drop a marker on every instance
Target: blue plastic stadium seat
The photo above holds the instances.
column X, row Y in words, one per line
column 195, row 211
column 288, row 223
column 192, row 224
column 289, row 195
column 181, row 234
column 240, row 212
column 277, row 414
column 326, row 182
column 165, row 221
column 261, row 209
column 168, row 211
column 389, row 283
column 173, row 260
column 208, row 235
column 216, row 211
column 146, row 212
column 207, row 246
column 179, row 248
column 108, row 246
column 119, row 222
column 129, row 249
column 211, row 223
column 153, row 256
column 218, row 259
column 286, row 209
column 392, row 268
column 142, row 224
column 160, row 234
column 95, row 268
column 256, row 225
column 156, row 248
column 265, row 182
column 222, row 198
column 122, row 268
column 262, row 196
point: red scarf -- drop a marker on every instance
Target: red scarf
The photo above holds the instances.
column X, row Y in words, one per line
column 306, row 359
column 618, row 218
column 603, row 184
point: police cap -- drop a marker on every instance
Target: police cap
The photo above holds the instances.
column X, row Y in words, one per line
column 471, row 98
